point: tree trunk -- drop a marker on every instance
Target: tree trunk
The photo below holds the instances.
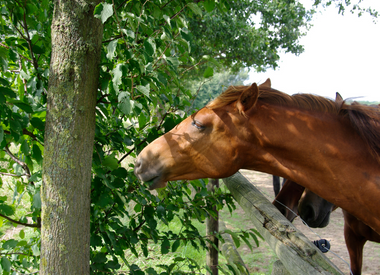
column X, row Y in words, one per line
column 212, row 228
column 69, row 136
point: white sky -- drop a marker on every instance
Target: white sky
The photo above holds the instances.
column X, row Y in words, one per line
column 342, row 54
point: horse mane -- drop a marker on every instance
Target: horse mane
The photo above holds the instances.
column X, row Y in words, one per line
column 363, row 118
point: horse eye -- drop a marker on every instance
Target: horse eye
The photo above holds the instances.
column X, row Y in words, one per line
column 198, row 125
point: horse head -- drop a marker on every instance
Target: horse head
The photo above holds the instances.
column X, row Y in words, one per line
column 208, row 144
column 314, row 210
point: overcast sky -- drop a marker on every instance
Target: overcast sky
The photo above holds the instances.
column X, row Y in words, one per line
column 342, row 54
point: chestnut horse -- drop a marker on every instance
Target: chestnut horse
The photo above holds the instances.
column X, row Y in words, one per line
column 330, row 148
column 294, row 199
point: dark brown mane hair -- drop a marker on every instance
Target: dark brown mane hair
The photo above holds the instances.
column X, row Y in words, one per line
column 364, row 119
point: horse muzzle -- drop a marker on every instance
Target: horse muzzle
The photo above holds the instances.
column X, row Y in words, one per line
column 149, row 174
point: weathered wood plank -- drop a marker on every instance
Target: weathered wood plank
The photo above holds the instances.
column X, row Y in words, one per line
column 295, row 251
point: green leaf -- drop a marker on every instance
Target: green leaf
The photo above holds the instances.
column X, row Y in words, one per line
column 25, row 148
column 124, row 103
column 129, row 33
column 111, row 162
column 150, row 47
column 209, row 72
column 22, row 234
column 160, row 211
column 96, row 240
column 23, row 242
column 7, row 92
column 137, row 208
column 194, row 7
column 142, row 120
column 111, row 47
column 37, row 200
column 235, row 238
column 37, row 123
column 35, row 250
column 230, row 267
column 120, row 172
column 1, row 134
column 175, row 245
column 38, row 49
column 165, row 246
column 10, row 244
column 117, row 74
column 6, row 264
column 35, row 177
column 257, row 233
column 15, row 125
column 185, row 35
column 6, row 210
column 22, row 105
column 162, row 79
column 103, row 11
column 100, row 258
column 118, row 183
column 36, row 153
column 173, row 61
column 167, row 19
column 145, row 90
column 247, row 242
column 209, row 5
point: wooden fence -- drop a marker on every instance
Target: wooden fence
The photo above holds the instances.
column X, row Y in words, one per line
column 296, row 253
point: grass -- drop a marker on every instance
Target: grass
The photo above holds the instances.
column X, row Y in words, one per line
column 259, row 261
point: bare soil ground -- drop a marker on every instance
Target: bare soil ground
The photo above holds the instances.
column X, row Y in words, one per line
column 333, row 232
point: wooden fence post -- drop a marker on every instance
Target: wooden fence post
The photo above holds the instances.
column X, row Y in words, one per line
column 295, row 251
column 212, row 229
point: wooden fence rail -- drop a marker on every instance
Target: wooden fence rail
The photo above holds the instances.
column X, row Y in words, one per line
column 296, row 252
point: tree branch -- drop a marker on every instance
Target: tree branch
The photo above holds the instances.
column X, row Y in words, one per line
column 23, row 164
column 35, row 225
column 23, row 57
column 26, row 132
column 12, row 175
column 29, row 41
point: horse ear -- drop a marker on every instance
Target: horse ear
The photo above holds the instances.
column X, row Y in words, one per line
column 248, row 99
column 339, row 100
column 266, row 84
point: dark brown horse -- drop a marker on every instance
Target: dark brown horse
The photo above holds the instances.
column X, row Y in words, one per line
column 316, row 211
column 328, row 147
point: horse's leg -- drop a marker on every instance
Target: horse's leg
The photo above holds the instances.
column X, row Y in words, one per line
column 355, row 244
column 276, row 185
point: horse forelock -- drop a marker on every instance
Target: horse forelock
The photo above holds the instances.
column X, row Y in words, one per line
column 364, row 119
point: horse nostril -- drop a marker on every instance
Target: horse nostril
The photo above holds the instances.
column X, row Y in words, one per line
column 137, row 165
column 307, row 214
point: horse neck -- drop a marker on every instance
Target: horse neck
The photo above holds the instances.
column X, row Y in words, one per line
column 320, row 151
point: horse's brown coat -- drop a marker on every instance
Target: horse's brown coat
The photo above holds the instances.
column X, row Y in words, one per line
column 330, row 148
column 356, row 233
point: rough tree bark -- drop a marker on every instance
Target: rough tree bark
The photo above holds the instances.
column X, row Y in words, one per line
column 212, row 228
column 69, row 137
